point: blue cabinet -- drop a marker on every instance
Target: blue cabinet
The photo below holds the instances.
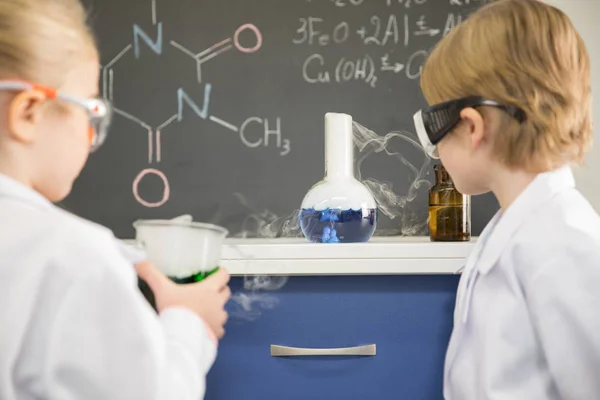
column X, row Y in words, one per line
column 408, row 318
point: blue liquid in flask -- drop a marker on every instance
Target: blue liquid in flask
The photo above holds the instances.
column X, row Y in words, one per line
column 338, row 226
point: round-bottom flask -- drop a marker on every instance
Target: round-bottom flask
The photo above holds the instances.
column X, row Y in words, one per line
column 338, row 209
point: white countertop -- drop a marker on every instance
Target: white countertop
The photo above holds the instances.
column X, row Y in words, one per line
column 380, row 256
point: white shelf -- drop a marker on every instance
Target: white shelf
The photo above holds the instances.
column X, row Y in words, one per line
column 380, row 256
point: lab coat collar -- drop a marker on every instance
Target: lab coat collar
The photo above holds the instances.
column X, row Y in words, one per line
column 14, row 189
column 542, row 188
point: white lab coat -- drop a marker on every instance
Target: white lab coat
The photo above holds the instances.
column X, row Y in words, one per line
column 73, row 324
column 527, row 316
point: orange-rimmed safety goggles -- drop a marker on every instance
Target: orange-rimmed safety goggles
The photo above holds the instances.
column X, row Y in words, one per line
column 99, row 110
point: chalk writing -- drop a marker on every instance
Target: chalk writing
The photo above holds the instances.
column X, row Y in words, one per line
column 344, row 3
column 405, row 3
column 182, row 97
column 381, row 34
column 316, row 71
column 363, row 68
column 246, row 39
column 309, row 33
column 451, row 22
column 391, row 31
column 166, row 189
column 108, row 77
column 236, row 37
column 266, row 134
column 386, row 66
column 378, row 31
column 371, row 48
column 461, row 3
column 417, row 58
column 221, row 47
column 424, row 29
column 155, row 45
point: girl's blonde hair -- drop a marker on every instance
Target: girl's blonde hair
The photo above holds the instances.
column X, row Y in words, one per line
column 40, row 39
column 527, row 54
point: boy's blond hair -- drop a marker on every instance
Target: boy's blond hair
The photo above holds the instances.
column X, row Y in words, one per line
column 527, row 54
column 41, row 39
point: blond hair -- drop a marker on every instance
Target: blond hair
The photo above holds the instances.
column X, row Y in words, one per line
column 527, row 54
column 40, row 39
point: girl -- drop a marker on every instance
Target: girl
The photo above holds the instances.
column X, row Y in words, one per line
column 510, row 89
column 73, row 323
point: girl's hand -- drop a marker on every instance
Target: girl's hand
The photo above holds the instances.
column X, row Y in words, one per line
column 207, row 298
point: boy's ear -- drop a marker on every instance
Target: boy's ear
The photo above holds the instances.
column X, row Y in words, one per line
column 474, row 124
column 24, row 113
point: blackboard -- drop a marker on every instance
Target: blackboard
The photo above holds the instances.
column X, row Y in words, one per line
column 224, row 101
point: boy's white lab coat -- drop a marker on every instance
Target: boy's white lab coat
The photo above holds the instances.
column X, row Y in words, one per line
column 73, row 324
column 527, row 316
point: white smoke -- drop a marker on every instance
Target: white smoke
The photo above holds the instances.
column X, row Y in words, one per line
column 266, row 224
column 263, row 223
column 391, row 204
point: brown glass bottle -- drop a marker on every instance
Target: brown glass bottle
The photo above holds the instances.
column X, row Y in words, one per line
column 449, row 210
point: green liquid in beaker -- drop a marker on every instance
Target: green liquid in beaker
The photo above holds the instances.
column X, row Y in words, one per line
column 198, row 277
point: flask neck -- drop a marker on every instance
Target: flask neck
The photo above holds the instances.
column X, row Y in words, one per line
column 339, row 146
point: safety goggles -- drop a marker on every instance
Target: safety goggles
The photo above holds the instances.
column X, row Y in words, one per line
column 99, row 110
column 434, row 123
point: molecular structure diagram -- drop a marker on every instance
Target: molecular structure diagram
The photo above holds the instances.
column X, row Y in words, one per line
column 184, row 100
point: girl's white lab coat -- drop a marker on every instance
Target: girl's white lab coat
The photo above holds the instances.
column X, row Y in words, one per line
column 527, row 316
column 73, row 324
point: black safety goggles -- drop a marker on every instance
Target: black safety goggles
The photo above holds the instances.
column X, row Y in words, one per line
column 435, row 122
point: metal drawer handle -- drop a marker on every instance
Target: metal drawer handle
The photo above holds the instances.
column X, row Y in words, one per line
column 284, row 351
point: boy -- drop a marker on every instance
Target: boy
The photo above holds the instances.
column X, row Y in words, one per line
column 511, row 109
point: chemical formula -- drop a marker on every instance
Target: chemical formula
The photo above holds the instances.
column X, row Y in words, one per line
column 377, row 32
column 254, row 132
